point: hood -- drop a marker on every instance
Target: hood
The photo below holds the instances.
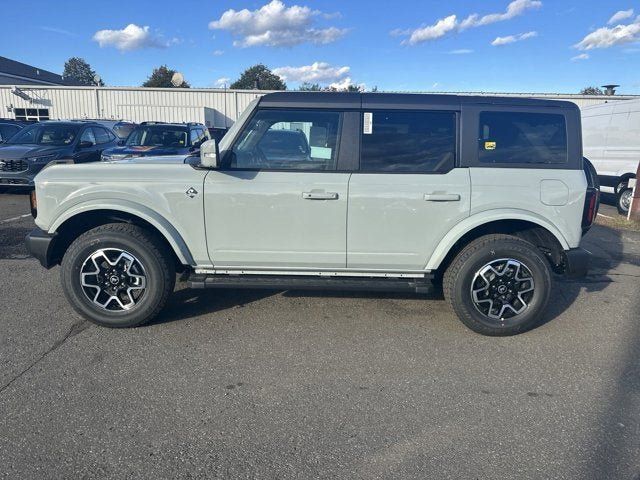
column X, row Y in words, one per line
column 143, row 151
column 10, row 151
column 160, row 159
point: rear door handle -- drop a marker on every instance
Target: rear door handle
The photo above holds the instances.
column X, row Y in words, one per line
column 320, row 195
column 442, row 197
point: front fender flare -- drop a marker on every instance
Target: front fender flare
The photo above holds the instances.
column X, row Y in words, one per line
column 482, row 218
column 165, row 227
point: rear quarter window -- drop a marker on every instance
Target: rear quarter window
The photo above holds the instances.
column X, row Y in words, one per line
column 522, row 138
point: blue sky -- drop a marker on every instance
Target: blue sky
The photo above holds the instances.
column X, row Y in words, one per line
column 428, row 45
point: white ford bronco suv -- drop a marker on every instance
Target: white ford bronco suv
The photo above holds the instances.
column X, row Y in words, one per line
column 487, row 196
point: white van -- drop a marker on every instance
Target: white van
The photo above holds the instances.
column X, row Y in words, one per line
column 611, row 139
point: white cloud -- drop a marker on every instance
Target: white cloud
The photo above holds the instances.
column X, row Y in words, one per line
column 222, row 82
column 621, row 15
column 276, row 25
column 606, row 37
column 513, row 38
column 451, row 23
column 514, row 9
column 132, row 37
column 217, row 53
column 318, row 72
column 346, row 83
column 431, row 32
column 582, row 56
column 460, row 51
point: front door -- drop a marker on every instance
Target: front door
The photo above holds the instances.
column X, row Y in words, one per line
column 278, row 201
column 408, row 193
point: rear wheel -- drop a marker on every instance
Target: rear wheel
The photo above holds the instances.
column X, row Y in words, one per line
column 498, row 285
column 118, row 275
column 623, row 202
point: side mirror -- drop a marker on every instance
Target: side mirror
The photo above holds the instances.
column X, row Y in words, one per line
column 209, row 154
column 85, row 144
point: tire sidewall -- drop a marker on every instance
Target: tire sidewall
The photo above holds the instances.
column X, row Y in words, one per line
column 621, row 208
column 530, row 258
column 82, row 249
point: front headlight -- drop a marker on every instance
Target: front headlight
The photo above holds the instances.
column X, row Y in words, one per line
column 43, row 158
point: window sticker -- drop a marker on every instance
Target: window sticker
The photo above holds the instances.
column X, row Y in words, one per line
column 368, row 123
column 489, row 145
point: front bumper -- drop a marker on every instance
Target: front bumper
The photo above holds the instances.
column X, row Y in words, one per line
column 577, row 262
column 40, row 245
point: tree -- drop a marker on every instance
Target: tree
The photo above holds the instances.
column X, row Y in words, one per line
column 161, row 78
column 78, row 69
column 258, row 77
column 591, row 91
column 310, row 87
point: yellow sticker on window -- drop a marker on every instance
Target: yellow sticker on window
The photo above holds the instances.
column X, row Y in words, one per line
column 489, row 145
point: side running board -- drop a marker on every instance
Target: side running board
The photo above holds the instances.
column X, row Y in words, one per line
column 292, row 282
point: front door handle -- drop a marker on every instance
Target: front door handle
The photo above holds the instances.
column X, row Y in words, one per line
column 442, row 197
column 320, row 195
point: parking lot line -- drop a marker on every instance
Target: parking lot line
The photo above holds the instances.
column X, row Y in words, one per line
column 13, row 219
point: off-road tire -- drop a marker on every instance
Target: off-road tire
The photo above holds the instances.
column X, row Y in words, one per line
column 145, row 246
column 460, row 274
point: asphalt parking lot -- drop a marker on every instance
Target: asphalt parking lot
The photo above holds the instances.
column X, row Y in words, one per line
column 258, row 384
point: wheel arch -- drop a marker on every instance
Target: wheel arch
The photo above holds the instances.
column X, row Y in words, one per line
column 537, row 231
column 74, row 222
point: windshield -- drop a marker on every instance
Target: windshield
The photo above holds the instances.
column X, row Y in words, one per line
column 162, row 136
column 52, row 135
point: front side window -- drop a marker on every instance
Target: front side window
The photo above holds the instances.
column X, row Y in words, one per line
column 158, row 136
column 288, row 140
column 410, row 142
column 522, row 138
column 7, row 131
column 54, row 135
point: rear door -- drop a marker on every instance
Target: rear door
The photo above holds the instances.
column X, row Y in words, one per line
column 407, row 194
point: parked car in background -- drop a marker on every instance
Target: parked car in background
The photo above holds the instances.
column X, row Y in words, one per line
column 158, row 139
column 121, row 128
column 217, row 133
column 9, row 127
column 28, row 151
column 487, row 196
column 611, row 137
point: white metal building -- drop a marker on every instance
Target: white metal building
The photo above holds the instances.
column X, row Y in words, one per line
column 213, row 107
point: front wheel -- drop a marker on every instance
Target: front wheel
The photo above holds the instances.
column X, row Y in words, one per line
column 498, row 285
column 117, row 275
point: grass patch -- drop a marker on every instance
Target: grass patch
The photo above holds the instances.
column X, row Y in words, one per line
column 619, row 222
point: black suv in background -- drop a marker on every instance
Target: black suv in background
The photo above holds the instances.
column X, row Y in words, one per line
column 160, row 139
column 28, row 151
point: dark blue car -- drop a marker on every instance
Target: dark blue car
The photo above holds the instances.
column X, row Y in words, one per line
column 27, row 152
column 160, row 139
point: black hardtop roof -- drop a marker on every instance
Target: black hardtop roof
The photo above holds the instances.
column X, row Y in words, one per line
column 399, row 100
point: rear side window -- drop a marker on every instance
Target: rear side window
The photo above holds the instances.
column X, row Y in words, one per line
column 102, row 135
column 406, row 141
column 522, row 138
